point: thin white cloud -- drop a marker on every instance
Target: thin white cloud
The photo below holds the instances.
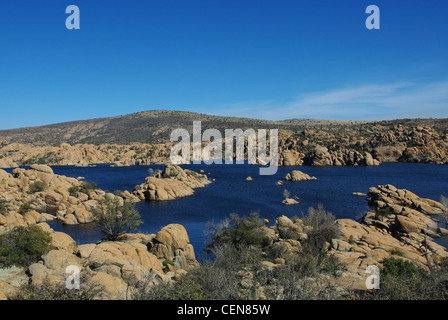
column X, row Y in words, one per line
column 364, row 102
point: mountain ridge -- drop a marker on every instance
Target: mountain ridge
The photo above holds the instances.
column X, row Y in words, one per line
column 144, row 127
column 155, row 126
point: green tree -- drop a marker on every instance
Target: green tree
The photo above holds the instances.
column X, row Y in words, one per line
column 115, row 219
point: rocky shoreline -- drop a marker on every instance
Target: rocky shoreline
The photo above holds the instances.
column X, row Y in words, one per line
column 49, row 197
column 400, row 224
column 367, row 145
column 162, row 257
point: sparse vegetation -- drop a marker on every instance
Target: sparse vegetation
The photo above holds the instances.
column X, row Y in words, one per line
column 397, row 252
column 383, row 213
column 38, row 186
column 402, row 280
column 237, row 271
column 84, row 187
column 58, row 291
column 444, row 215
column 24, row 208
column 237, row 231
column 4, row 206
column 324, row 229
column 23, row 246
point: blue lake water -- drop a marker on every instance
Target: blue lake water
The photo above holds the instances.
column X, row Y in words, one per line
column 230, row 193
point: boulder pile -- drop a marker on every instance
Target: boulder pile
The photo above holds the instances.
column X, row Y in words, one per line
column 38, row 190
column 402, row 225
column 118, row 267
column 46, row 197
column 171, row 183
column 406, row 232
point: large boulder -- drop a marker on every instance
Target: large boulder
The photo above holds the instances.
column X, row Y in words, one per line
column 172, row 243
column 120, row 254
column 406, row 224
column 63, row 241
column 42, row 168
column 296, row 176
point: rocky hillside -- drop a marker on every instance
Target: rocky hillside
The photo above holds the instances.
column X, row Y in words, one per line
column 145, row 127
column 144, row 137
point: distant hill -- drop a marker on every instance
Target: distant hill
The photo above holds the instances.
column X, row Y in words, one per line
column 148, row 127
column 156, row 126
column 141, row 138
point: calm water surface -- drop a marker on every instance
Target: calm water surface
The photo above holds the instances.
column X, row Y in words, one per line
column 230, row 193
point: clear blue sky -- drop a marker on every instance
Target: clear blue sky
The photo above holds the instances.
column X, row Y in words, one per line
column 270, row 59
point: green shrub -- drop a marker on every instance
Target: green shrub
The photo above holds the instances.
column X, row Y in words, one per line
column 58, row 291
column 4, row 206
column 23, row 246
column 397, row 252
column 300, row 280
column 239, row 246
column 399, row 267
column 222, row 279
column 324, row 229
column 73, row 191
column 215, row 279
column 86, row 187
column 184, row 289
column 38, row 186
column 167, row 262
column 114, row 220
column 351, row 240
column 237, row 232
column 402, row 280
column 24, row 208
column 384, row 212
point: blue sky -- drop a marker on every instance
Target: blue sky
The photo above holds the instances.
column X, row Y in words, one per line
column 254, row 58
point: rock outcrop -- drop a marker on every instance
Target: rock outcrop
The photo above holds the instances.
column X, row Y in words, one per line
column 46, row 197
column 401, row 226
column 14, row 154
column 296, row 176
column 171, row 183
column 116, row 266
column 406, row 234
column 367, row 144
column 290, row 202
